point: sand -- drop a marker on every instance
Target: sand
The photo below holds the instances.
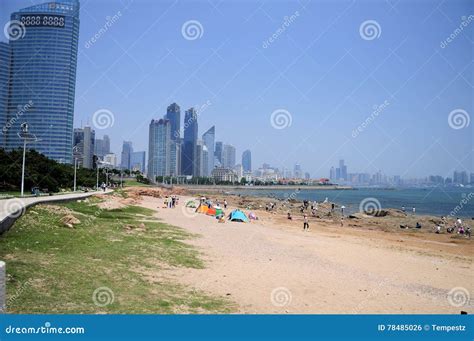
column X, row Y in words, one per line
column 273, row 266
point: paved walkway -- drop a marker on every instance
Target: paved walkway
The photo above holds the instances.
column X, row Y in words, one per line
column 14, row 207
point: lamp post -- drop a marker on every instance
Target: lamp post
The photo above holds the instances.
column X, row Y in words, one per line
column 26, row 137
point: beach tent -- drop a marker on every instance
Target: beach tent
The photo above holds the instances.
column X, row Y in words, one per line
column 202, row 209
column 219, row 212
column 238, row 215
column 211, row 211
column 191, row 203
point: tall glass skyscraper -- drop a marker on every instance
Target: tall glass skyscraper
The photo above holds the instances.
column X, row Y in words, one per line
column 43, row 68
column 190, row 142
column 208, row 139
column 247, row 161
column 173, row 114
column 159, row 149
column 4, row 86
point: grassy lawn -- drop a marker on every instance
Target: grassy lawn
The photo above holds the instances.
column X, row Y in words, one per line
column 119, row 254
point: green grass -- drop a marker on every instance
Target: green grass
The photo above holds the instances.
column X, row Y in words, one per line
column 55, row 269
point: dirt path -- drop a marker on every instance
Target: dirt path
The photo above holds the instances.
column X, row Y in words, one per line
column 272, row 267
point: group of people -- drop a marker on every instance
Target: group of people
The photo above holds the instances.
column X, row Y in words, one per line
column 171, row 201
column 458, row 227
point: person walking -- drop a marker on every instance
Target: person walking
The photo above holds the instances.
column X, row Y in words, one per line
column 305, row 223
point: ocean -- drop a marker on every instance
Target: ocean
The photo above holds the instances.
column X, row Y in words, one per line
column 458, row 201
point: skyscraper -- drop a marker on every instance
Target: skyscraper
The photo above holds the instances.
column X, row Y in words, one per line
column 343, row 170
column 159, row 148
column 247, row 161
column 43, row 62
column 84, row 141
column 127, row 150
column 208, row 139
column 218, row 153
column 228, row 156
column 4, row 86
column 173, row 114
column 137, row 161
column 297, row 171
column 189, row 142
column 102, row 147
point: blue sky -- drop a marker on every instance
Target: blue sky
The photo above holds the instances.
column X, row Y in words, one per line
column 320, row 70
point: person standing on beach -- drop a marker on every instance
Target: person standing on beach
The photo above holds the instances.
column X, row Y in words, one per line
column 225, row 203
column 342, row 221
column 414, row 210
column 342, row 210
column 305, row 223
column 403, row 209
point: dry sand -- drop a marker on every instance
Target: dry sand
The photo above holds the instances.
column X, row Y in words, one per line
column 272, row 266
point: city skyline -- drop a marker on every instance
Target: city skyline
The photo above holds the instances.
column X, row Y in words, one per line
column 411, row 132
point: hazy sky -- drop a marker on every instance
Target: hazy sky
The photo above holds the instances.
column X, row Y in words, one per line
column 325, row 70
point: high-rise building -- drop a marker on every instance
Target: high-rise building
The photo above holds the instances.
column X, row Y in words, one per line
column 83, row 151
column 173, row 114
column 332, row 174
column 102, row 147
column 218, row 153
column 297, row 171
column 111, row 159
column 247, row 161
column 43, row 62
column 208, row 139
column 200, row 160
column 175, row 157
column 137, row 161
column 127, row 150
column 343, row 170
column 228, row 156
column 159, row 143
column 460, row 177
column 188, row 154
column 4, row 86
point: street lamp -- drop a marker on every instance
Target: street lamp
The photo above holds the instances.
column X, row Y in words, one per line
column 74, row 153
column 26, row 136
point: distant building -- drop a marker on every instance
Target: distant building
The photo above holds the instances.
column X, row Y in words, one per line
column 111, row 159
column 127, row 150
column 307, row 176
column 298, row 172
column 247, row 161
column 223, row 174
column 173, row 114
column 239, row 171
column 228, row 156
column 218, row 153
column 460, row 177
column 332, row 173
column 208, row 139
column 84, row 141
column 188, row 154
column 159, row 143
column 137, row 161
column 102, row 147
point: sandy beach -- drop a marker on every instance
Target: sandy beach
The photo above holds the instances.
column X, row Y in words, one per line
column 273, row 266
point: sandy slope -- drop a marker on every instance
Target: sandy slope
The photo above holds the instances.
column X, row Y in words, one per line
column 272, row 266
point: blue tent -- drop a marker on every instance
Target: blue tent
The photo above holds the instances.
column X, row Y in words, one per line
column 238, row 215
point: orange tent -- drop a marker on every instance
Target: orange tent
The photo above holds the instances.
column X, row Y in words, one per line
column 211, row 211
column 202, row 209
